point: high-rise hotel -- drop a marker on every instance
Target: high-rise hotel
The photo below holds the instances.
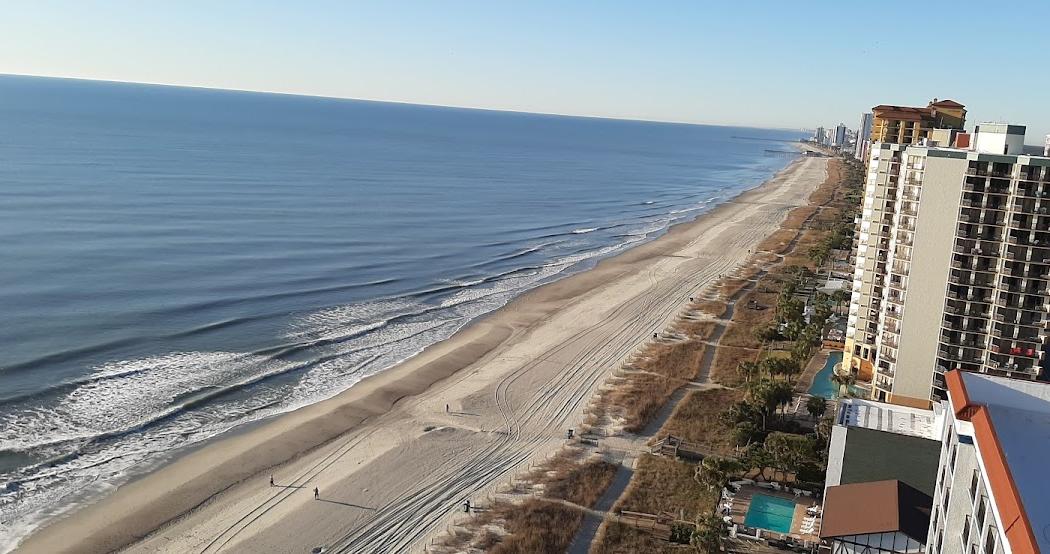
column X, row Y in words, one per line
column 952, row 262
column 889, row 125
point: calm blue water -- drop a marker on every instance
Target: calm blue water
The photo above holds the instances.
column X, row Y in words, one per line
column 177, row 262
column 822, row 383
column 770, row 512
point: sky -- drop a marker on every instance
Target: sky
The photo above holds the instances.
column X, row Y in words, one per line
column 764, row 64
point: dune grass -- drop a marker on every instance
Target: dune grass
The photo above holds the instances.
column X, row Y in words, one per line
column 538, row 524
column 659, row 485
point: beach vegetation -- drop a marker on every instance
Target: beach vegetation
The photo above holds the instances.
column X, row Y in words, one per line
column 547, row 522
column 714, row 472
column 708, row 534
column 816, row 406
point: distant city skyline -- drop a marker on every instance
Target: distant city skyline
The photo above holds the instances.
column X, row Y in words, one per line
column 768, row 65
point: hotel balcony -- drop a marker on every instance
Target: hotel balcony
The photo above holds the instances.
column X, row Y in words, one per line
column 978, row 232
column 1021, row 270
column 1018, row 301
column 1031, row 205
column 1034, row 173
column 1012, row 363
column 971, row 347
column 965, row 309
column 966, row 356
column 964, row 277
column 973, row 263
column 883, row 381
column 958, row 338
column 972, row 296
column 975, row 247
column 1029, row 222
column 1020, row 317
column 954, row 324
column 1026, row 237
column 1023, row 286
column 1032, row 191
column 944, row 364
column 981, row 185
column 976, row 217
column 1023, row 253
column 1007, row 343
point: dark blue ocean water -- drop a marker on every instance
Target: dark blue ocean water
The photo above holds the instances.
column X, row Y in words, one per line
column 176, row 262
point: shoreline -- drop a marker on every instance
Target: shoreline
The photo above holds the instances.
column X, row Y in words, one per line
column 172, row 494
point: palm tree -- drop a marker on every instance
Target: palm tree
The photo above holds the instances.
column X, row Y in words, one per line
column 707, row 537
column 767, row 395
column 748, row 370
column 843, row 380
column 816, row 406
column 714, row 471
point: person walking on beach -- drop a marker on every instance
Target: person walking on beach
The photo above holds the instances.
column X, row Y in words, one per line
column 271, row 480
column 317, row 493
column 446, row 408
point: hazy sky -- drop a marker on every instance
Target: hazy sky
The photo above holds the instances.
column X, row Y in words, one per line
column 769, row 64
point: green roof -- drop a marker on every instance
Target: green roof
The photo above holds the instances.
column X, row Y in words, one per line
column 872, row 455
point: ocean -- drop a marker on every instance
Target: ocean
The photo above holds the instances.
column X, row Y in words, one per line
column 176, row 262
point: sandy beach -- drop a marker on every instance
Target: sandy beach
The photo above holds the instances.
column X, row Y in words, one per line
column 395, row 456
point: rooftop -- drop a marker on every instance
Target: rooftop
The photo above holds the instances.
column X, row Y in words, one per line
column 891, row 418
column 871, row 455
column 888, row 506
column 902, row 112
column 909, row 113
column 1011, row 428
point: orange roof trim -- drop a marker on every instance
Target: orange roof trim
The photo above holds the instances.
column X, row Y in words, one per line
column 1018, row 529
column 1008, row 498
column 964, row 407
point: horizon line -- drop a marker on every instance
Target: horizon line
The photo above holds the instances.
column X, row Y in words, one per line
column 400, row 102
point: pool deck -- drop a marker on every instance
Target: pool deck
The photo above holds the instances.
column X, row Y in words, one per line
column 742, row 501
column 809, row 373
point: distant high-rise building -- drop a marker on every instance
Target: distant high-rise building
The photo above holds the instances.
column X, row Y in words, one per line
column 905, row 125
column 840, row 135
column 819, row 137
column 863, row 136
column 1046, row 146
column 952, row 265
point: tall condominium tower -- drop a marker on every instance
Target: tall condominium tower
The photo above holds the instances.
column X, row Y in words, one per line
column 892, row 128
column 840, row 135
column 953, row 265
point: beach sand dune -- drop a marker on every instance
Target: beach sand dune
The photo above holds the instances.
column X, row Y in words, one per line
column 391, row 463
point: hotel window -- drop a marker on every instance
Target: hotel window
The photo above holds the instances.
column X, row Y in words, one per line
column 989, row 541
column 980, row 513
column 975, row 481
column 966, row 532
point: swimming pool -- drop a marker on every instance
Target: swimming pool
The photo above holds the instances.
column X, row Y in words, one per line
column 822, row 383
column 770, row 512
